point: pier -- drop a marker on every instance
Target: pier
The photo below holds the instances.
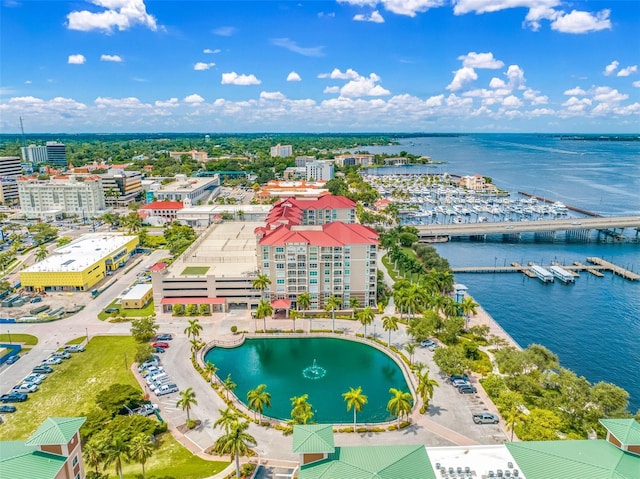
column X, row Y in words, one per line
column 597, row 266
column 569, row 207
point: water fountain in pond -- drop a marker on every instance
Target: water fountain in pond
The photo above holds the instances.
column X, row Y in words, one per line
column 314, row 371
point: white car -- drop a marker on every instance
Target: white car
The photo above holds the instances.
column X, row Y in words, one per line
column 166, row 389
column 25, row 388
column 34, row 378
column 61, row 355
column 52, row 360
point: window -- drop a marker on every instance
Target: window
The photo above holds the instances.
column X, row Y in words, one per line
column 327, row 271
column 347, row 272
column 265, row 265
column 313, row 265
column 279, row 249
column 75, row 460
column 279, row 281
column 313, row 273
column 279, row 265
column 313, row 281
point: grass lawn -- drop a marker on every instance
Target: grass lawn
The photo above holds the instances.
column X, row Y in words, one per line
column 25, row 339
column 71, row 391
column 79, row 340
column 127, row 313
column 195, row 270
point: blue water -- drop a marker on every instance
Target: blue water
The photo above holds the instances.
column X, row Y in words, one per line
column 592, row 325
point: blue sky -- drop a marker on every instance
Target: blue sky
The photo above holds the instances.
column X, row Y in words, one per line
column 320, row 66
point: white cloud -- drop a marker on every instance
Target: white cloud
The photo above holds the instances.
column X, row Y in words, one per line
column 120, row 14
column 170, row 103
column 76, row 59
column 577, row 91
column 363, row 86
column 461, row 78
column 374, row 17
column 27, row 82
column 577, row 105
column 512, row 101
column 542, row 111
column 487, row 6
column 200, row 66
column 480, row 60
column 625, row 72
column 605, row 94
column 233, row 78
column 294, row 47
column 636, row 84
column 582, row 22
column 224, row 31
column 515, row 74
column 210, row 51
column 110, row 58
column 293, row 76
column 336, row 74
column 399, row 7
column 534, row 97
column 128, row 103
column 611, row 67
column 497, row 83
column 331, row 89
column 193, row 99
column 272, row 95
column 434, row 101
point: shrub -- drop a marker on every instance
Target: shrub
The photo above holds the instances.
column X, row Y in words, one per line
column 234, row 329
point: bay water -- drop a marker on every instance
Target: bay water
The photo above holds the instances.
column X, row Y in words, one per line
column 592, row 325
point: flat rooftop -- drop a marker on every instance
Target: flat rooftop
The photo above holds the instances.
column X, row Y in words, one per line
column 228, row 250
column 81, row 253
column 137, row 292
column 190, row 184
column 479, row 459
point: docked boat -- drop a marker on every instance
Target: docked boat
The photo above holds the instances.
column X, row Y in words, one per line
column 543, row 274
column 562, row 274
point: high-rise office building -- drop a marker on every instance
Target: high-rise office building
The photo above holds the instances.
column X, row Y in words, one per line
column 319, row 170
column 10, row 169
column 56, row 154
column 34, row 154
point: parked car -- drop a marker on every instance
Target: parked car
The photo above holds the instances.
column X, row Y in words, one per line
column 13, row 396
column 485, row 418
column 167, row 389
column 147, row 364
column 160, row 344
column 146, row 409
column 13, row 359
column 61, row 355
column 164, row 337
column 74, row 348
column 111, row 310
column 34, row 378
column 464, row 377
column 43, row 369
column 37, row 299
column 52, row 360
column 159, row 350
column 7, row 408
column 426, row 343
column 460, row 382
column 25, row 388
column 467, row 389
column 151, row 370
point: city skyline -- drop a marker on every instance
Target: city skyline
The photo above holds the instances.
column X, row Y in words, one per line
column 321, row 66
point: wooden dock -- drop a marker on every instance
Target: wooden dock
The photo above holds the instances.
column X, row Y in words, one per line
column 596, row 268
column 614, row 268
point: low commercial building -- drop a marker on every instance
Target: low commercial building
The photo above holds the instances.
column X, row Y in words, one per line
column 61, row 195
column 54, row 451
column 364, row 160
column 205, row 215
column 217, row 270
column 200, row 156
column 184, row 187
column 137, row 297
column 81, row 264
column 159, row 213
column 476, row 183
column 275, row 189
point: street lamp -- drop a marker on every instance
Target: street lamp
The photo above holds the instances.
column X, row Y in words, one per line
column 9, row 333
column 86, row 333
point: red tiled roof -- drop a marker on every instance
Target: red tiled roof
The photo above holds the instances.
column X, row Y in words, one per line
column 281, row 304
column 325, row 202
column 192, row 301
column 163, row 205
column 331, row 234
column 158, row 266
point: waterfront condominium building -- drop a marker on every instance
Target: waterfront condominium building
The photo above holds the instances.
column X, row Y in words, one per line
column 319, row 170
column 364, row 160
column 334, row 259
column 10, row 169
column 312, row 211
column 61, row 195
column 283, row 151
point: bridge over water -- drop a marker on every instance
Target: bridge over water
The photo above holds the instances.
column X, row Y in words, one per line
column 614, row 226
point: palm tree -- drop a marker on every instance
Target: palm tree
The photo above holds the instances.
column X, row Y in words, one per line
column 187, row 399
column 389, row 323
column 400, row 403
column 264, row 309
column 132, row 222
column 235, row 442
column 211, row 370
column 140, row 450
column 425, row 387
column 93, row 456
column 41, row 253
column 301, row 410
column 227, row 417
column 261, row 282
column 333, row 303
column 196, row 345
column 356, row 400
column 353, row 304
column 229, row 385
column 294, row 314
column 469, row 307
column 194, row 328
column 410, row 348
column 365, row 316
column 258, row 399
column 303, row 301
column 115, row 450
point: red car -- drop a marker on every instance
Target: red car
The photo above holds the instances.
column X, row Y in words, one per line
column 160, row 344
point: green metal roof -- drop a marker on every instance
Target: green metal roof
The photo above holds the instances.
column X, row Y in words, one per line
column 55, row 430
column 627, row 431
column 19, row 461
column 372, row 462
column 595, row 459
column 310, row 438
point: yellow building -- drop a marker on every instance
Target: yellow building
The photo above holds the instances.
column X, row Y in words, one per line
column 137, row 297
column 81, row 264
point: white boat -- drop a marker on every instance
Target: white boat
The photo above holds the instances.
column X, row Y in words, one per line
column 543, row 274
column 562, row 274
